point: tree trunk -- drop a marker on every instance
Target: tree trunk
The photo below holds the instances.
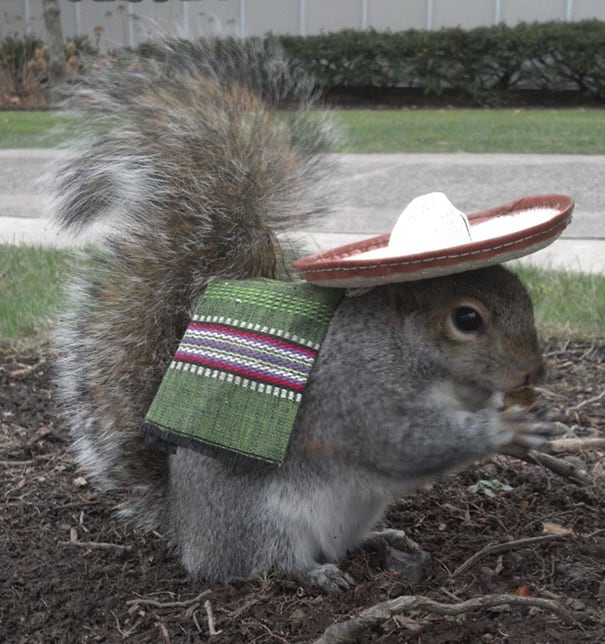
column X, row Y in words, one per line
column 56, row 53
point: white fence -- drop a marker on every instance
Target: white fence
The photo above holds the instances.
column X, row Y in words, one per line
column 111, row 24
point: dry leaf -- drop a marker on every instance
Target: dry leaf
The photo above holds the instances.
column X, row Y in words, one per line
column 555, row 528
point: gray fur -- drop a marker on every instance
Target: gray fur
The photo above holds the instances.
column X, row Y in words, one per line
column 194, row 184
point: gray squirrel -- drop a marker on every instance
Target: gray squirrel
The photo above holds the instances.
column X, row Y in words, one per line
column 193, row 179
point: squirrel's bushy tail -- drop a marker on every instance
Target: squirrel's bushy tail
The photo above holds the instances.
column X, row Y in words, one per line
column 191, row 180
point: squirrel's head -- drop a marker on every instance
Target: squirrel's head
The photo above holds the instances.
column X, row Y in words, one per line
column 478, row 327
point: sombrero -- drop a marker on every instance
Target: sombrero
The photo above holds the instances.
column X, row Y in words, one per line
column 432, row 238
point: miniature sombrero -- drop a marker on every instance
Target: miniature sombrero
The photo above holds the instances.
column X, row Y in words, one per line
column 432, row 238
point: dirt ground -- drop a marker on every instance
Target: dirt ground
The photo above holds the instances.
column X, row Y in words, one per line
column 131, row 590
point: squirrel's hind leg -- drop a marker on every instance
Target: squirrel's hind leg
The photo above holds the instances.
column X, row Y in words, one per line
column 400, row 554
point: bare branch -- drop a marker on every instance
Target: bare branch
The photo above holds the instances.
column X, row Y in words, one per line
column 576, row 444
column 176, row 604
column 98, row 545
column 589, row 401
column 26, row 370
column 494, row 548
column 563, row 468
column 210, row 616
column 349, row 630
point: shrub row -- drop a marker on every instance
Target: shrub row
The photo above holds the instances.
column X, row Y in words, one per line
column 24, row 62
column 482, row 64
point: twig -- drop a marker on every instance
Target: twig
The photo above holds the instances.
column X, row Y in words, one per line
column 271, row 633
column 164, row 632
column 349, row 630
column 242, row 609
column 11, row 463
column 36, row 459
column 196, row 622
column 76, row 504
column 576, row 444
column 594, row 533
column 586, row 402
column 98, row 545
column 176, row 604
column 449, row 593
column 563, row 468
column 40, row 433
column 210, row 615
column 124, row 633
column 493, row 548
column 26, row 370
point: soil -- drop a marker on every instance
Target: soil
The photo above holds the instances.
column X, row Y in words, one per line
column 54, row 591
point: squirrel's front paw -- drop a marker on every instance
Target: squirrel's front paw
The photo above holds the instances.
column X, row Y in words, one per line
column 327, row 577
column 524, row 433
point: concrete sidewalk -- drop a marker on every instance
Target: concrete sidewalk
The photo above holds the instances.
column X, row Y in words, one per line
column 371, row 190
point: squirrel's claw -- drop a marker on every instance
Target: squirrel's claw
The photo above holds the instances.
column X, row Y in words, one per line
column 527, row 434
column 328, row 577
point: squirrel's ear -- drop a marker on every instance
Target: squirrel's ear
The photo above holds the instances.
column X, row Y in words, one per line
column 402, row 297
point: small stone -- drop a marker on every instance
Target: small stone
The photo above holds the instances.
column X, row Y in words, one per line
column 576, row 604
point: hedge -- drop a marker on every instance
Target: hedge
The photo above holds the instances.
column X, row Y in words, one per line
column 482, row 64
column 24, row 63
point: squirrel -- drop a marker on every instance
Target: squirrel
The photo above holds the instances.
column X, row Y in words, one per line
column 196, row 180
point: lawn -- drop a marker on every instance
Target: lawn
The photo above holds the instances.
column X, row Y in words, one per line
column 31, row 282
column 551, row 131
column 42, row 129
column 30, row 293
column 579, row 131
column 566, row 304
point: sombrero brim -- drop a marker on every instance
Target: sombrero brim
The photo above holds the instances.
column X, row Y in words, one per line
column 339, row 267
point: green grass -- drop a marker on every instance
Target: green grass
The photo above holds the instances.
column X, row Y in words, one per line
column 551, row 131
column 36, row 129
column 569, row 131
column 30, row 294
column 566, row 304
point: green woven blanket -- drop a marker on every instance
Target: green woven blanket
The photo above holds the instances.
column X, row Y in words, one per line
column 238, row 376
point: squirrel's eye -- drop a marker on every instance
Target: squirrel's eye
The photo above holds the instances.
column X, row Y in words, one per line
column 467, row 319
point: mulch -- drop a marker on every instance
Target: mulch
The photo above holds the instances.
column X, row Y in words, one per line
column 131, row 590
